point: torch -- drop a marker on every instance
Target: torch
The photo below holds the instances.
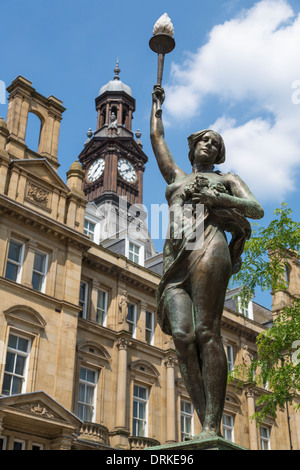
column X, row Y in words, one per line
column 162, row 42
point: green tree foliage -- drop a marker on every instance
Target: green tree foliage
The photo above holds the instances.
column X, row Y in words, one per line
column 278, row 348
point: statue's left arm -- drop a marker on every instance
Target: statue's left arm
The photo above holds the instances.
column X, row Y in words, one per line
column 241, row 198
column 238, row 196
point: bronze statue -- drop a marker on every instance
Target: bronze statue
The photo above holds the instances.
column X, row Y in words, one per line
column 191, row 294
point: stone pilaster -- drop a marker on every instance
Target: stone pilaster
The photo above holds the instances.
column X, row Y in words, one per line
column 171, row 409
column 253, row 439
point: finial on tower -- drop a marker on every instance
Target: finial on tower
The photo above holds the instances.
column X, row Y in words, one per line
column 117, row 70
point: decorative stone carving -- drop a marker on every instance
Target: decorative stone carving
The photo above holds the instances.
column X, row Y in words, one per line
column 37, row 194
column 38, row 409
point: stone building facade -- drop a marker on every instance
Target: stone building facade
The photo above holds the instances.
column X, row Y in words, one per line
column 84, row 364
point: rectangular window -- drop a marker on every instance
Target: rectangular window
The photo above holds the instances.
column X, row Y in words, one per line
column 19, row 445
column 87, row 394
column 134, row 252
column 264, row 438
column 83, row 299
column 37, row 447
column 89, row 229
column 2, row 443
column 230, row 362
column 131, row 319
column 186, row 419
column 228, row 423
column 39, row 271
column 140, row 411
column 245, row 308
column 14, row 261
column 16, row 365
column 101, row 310
column 149, row 329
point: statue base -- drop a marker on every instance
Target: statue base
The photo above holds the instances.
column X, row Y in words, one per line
column 200, row 442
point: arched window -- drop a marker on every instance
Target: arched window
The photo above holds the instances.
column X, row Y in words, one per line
column 33, row 132
column 2, row 92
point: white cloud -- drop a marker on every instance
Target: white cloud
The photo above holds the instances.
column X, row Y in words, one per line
column 252, row 59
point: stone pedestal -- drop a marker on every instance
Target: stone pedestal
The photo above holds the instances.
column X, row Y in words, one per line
column 198, row 443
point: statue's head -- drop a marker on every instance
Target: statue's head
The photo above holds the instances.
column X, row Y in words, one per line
column 193, row 139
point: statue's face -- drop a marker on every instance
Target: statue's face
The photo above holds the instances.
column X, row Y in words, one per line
column 207, row 149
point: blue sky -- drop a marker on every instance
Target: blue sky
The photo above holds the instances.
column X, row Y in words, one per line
column 233, row 69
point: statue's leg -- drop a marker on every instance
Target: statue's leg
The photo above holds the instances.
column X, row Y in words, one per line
column 208, row 288
column 178, row 307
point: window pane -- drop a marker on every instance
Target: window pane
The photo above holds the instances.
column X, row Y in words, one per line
column 11, row 271
column 18, row 445
column 188, row 425
column 10, row 360
column 134, row 252
column 12, row 341
column 141, row 411
column 37, row 281
column 141, row 428
column 80, row 411
column 82, row 293
column 22, row 344
column 130, row 316
column 16, row 385
column 6, row 384
column 39, row 262
column 135, row 428
column 89, row 229
column 264, row 432
column 101, row 299
column 149, row 320
column 135, row 408
column 90, row 376
column 142, row 393
column 20, row 365
column 83, row 373
column 37, row 447
column 81, row 396
column 14, row 252
column 89, row 395
column 88, row 414
column 227, row 420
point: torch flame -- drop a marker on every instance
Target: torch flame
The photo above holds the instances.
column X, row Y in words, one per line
column 164, row 25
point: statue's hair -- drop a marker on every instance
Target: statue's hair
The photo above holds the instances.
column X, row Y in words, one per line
column 193, row 139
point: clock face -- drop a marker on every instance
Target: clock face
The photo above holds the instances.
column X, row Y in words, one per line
column 96, row 169
column 126, row 170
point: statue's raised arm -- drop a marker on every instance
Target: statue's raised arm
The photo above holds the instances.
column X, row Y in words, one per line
column 169, row 169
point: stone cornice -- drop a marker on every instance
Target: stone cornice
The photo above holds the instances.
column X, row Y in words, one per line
column 59, row 304
column 240, row 324
column 52, row 228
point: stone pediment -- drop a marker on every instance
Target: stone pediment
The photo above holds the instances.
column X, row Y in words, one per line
column 37, row 406
column 40, row 170
column 36, row 184
column 145, row 370
column 26, row 316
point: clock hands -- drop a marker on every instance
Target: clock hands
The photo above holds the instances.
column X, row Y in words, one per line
column 96, row 169
column 127, row 171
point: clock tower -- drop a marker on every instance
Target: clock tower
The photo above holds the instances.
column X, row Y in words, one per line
column 113, row 162
column 112, row 159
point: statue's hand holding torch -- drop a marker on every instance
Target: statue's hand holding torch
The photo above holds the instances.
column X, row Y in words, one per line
column 161, row 42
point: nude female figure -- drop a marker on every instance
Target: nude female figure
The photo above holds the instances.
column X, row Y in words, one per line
column 191, row 295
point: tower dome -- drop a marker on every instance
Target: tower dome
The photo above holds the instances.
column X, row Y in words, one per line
column 116, row 84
